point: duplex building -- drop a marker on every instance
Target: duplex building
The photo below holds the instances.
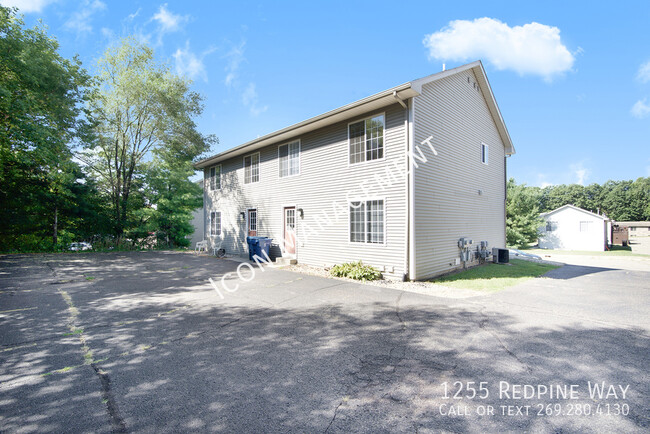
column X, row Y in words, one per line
column 396, row 180
column 636, row 229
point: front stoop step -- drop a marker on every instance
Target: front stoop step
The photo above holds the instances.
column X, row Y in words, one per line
column 286, row 261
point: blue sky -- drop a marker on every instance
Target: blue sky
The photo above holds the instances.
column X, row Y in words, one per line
column 572, row 79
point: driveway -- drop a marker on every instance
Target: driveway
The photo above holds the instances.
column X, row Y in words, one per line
column 142, row 342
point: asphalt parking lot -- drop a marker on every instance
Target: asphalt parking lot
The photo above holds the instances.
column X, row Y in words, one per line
column 142, row 342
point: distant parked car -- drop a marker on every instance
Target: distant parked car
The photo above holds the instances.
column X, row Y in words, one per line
column 76, row 247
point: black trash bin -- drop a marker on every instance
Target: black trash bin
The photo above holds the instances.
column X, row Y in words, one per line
column 264, row 245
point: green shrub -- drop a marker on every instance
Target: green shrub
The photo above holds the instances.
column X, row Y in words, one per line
column 355, row 270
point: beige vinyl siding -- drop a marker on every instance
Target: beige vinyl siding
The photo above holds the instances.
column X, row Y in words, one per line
column 325, row 179
column 448, row 205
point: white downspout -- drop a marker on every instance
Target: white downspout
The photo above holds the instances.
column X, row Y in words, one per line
column 407, row 195
column 411, row 192
column 205, row 207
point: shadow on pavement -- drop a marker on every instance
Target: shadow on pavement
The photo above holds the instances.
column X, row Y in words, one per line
column 572, row 271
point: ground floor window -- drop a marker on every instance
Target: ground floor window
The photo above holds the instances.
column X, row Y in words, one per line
column 367, row 221
column 215, row 223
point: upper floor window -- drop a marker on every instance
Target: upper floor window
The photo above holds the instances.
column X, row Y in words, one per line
column 484, row 153
column 252, row 168
column 214, row 180
column 366, row 139
column 585, row 226
column 289, row 156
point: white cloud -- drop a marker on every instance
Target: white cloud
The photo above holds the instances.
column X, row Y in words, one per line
column 579, row 172
column 640, row 109
column 133, row 16
column 189, row 64
column 251, row 100
column 644, row 72
column 235, row 57
column 80, row 21
column 168, row 22
column 27, row 6
column 533, row 48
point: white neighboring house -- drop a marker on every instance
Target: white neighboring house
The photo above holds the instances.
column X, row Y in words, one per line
column 571, row 228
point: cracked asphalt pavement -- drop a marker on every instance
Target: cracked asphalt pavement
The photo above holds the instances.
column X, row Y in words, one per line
column 141, row 342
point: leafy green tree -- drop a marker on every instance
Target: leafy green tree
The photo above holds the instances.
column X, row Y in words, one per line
column 173, row 197
column 615, row 200
column 639, row 199
column 522, row 214
column 42, row 96
column 555, row 196
column 592, row 194
column 141, row 108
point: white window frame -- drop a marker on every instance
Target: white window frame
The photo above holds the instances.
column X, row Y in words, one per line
column 259, row 168
column 211, row 187
column 213, row 230
column 587, row 224
column 365, row 221
column 365, row 141
column 288, row 154
column 485, row 152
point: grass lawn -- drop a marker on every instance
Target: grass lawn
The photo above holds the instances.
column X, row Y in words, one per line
column 495, row 277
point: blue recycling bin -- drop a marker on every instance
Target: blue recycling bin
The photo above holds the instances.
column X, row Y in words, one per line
column 257, row 245
column 253, row 245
